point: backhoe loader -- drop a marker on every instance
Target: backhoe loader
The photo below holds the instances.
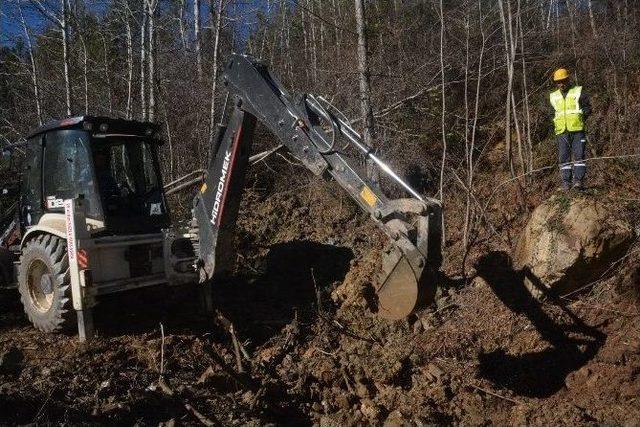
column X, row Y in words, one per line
column 92, row 217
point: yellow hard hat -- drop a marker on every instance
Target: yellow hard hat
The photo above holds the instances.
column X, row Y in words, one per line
column 560, row 74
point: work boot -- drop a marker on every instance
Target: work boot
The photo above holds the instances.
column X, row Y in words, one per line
column 564, row 187
column 578, row 186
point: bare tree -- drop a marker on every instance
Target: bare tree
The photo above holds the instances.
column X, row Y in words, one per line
column 129, row 38
column 183, row 33
column 509, row 50
column 444, row 110
column 592, row 19
column 34, row 68
column 107, row 75
column 151, row 8
column 474, row 128
column 366, row 111
column 196, row 32
column 62, row 23
column 65, row 55
column 214, row 71
column 143, row 61
column 525, row 90
column 85, row 71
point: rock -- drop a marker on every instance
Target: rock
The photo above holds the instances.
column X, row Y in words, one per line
column 568, row 242
column 248, row 398
column 433, row 372
column 370, row 410
column 343, row 401
column 208, row 373
column 396, row 419
column 363, row 390
column 417, row 327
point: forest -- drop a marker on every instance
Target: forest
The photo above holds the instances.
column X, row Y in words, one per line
column 454, row 95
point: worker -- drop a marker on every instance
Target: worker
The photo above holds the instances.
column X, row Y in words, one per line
column 571, row 108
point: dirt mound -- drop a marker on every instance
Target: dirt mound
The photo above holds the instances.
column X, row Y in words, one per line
column 311, row 351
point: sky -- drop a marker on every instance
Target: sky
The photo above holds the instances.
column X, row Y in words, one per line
column 244, row 12
column 10, row 28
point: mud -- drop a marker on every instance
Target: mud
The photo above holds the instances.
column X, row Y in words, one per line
column 301, row 306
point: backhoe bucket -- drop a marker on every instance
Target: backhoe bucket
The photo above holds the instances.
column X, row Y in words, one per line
column 398, row 291
column 407, row 281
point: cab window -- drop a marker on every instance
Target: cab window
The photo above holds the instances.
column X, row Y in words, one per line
column 68, row 168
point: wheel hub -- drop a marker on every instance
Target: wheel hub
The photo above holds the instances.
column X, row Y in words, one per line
column 40, row 283
column 46, row 284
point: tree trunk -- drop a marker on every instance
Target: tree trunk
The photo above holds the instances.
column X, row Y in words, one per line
column 366, row 111
column 314, row 46
column 183, row 33
column 129, row 65
column 527, row 112
column 214, row 76
column 467, row 151
column 107, row 76
column 85, row 71
column 509, row 65
column 442, row 117
column 592, row 19
column 143, row 61
column 65, row 57
column 476, row 108
column 151, row 60
column 196, row 31
column 305, row 39
column 34, row 69
column 336, row 13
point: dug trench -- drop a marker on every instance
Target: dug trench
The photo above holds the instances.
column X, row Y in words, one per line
column 310, row 350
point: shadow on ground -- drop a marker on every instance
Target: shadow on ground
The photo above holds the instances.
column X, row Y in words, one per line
column 293, row 277
column 572, row 343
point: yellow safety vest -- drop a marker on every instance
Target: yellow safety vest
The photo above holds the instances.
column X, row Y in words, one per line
column 568, row 115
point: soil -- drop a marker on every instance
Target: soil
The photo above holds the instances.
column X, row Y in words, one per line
column 300, row 305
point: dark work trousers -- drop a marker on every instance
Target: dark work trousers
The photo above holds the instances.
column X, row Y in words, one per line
column 571, row 150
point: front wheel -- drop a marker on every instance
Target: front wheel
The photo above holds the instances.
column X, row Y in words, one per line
column 44, row 283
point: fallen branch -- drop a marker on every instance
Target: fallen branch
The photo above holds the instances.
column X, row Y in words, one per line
column 484, row 390
column 318, row 296
column 238, row 348
column 165, row 387
column 204, row 420
column 161, row 352
column 344, row 330
column 261, row 156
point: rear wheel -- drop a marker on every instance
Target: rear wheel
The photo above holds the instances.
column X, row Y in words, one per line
column 44, row 284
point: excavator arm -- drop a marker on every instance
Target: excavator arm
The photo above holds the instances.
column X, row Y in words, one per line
column 321, row 138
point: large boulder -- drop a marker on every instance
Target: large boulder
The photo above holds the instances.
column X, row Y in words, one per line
column 570, row 241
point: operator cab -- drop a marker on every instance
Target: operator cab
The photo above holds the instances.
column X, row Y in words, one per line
column 112, row 163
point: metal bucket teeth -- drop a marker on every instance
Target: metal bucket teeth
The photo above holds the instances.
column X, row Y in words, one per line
column 399, row 287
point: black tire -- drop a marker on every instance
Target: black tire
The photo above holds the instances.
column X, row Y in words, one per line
column 46, row 301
